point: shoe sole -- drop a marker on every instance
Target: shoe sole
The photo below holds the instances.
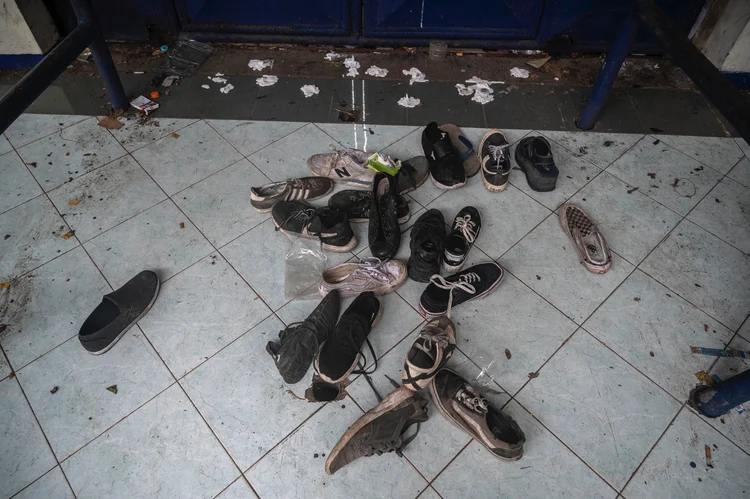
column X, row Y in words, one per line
column 334, row 249
column 445, row 187
column 432, row 315
column 388, row 403
column 492, row 187
column 447, row 415
column 356, row 359
column 135, row 321
column 452, row 269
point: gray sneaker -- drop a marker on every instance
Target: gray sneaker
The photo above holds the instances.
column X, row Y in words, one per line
column 264, row 197
column 371, row 274
column 379, row 430
column 346, row 166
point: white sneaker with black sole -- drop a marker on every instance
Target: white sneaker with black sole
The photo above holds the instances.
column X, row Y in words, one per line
column 466, row 227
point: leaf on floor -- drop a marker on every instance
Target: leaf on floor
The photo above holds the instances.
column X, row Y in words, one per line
column 651, row 353
column 182, row 225
column 507, row 354
column 4, row 285
column 637, row 298
column 175, row 135
column 533, row 375
column 110, row 123
column 112, row 389
column 74, row 202
column 69, row 234
column 54, row 390
column 705, row 327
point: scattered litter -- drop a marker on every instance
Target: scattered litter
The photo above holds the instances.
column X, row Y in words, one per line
column 205, row 86
column 459, row 54
column 349, row 115
column 185, row 57
column 631, row 191
column 656, row 142
column 557, row 78
column 54, row 390
column 416, row 76
column 704, row 377
column 376, row 71
column 4, row 285
column 705, row 327
column 692, row 464
column 137, row 72
column 479, row 87
column 655, row 130
column 112, row 389
column 709, row 461
column 652, row 175
column 154, row 94
column 175, row 135
column 519, row 72
column 651, row 353
column 68, row 234
column 656, row 66
column 463, row 89
column 144, row 104
column 74, row 202
column 538, row 63
column 170, row 80
column 164, row 48
column 182, row 225
column 110, row 123
column 333, row 56
column 409, row 101
column 583, row 149
column 226, row 89
column 217, row 78
column 527, row 52
column 85, row 56
column 533, row 375
column 309, row 90
column 719, row 352
column 266, row 80
column 260, row 65
column 507, row 354
column 352, row 66
column 637, row 298
column 156, row 52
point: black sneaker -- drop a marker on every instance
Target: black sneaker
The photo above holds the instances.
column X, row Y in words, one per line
column 340, row 355
column 445, row 292
column 427, row 243
column 465, row 231
column 299, row 342
column 494, row 151
column 381, row 429
column 331, row 226
column 118, row 312
column 534, row 156
column 384, row 234
column 357, row 204
column 446, row 168
column 412, row 174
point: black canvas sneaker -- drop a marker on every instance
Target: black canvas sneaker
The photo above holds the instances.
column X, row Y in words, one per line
column 534, row 156
column 445, row 292
column 466, row 227
column 299, row 342
column 384, row 234
column 494, row 153
column 380, row 430
column 426, row 245
column 331, row 226
column 341, row 354
column 446, row 168
column 357, row 204
column 264, row 197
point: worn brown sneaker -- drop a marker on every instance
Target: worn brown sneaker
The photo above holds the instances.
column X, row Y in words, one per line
column 370, row 274
column 379, row 430
column 429, row 352
column 465, row 407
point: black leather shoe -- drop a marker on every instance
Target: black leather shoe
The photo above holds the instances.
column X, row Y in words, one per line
column 384, row 234
column 446, row 168
column 427, row 243
column 118, row 312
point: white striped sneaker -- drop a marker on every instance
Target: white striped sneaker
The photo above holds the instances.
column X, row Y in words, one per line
column 346, row 166
column 294, row 189
column 371, row 274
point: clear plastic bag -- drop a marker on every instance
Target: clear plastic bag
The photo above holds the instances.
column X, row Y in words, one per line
column 304, row 264
column 186, row 56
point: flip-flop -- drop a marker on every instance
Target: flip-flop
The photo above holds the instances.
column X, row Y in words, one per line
column 589, row 242
column 464, row 147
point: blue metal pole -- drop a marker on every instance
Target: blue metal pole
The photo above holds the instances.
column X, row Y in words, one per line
column 713, row 401
column 607, row 74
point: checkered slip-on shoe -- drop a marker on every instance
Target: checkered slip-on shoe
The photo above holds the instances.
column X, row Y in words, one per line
column 589, row 242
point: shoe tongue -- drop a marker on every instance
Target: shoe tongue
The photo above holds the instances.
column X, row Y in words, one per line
column 430, row 352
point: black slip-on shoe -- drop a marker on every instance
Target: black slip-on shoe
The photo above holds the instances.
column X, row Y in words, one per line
column 466, row 228
column 534, row 156
column 426, row 245
column 446, row 168
column 384, row 234
column 118, row 312
column 356, row 204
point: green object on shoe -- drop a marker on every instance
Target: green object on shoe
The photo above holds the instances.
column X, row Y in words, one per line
column 382, row 163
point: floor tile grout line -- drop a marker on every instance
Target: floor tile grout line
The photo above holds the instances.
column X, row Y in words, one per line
column 447, row 465
column 17, row 493
column 302, row 124
column 85, row 117
column 241, row 477
column 577, row 154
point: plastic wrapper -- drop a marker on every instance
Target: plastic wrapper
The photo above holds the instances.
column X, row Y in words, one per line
column 304, row 264
column 186, row 56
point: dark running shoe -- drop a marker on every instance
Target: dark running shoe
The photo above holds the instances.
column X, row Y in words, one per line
column 445, row 292
column 384, row 234
column 534, row 156
column 341, row 354
column 494, row 151
column 264, row 197
column 427, row 243
column 381, row 429
column 446, row 168
column 465, row 407
column 118, row 312
column 466, row 227
column 299, row 342
column 357, row 204
column 331, row 226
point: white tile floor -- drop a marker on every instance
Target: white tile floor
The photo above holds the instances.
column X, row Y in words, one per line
column 200, row 410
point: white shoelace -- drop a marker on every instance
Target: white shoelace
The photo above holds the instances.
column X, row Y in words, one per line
column 433, row 337
column 370, row 267
column 467, row 228
column 463, row 283
column 498, row 152
column 473, row 401
column 347, row 151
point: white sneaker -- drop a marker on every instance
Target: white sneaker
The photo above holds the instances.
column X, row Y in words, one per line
column 346, row 166
column 371, row 274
